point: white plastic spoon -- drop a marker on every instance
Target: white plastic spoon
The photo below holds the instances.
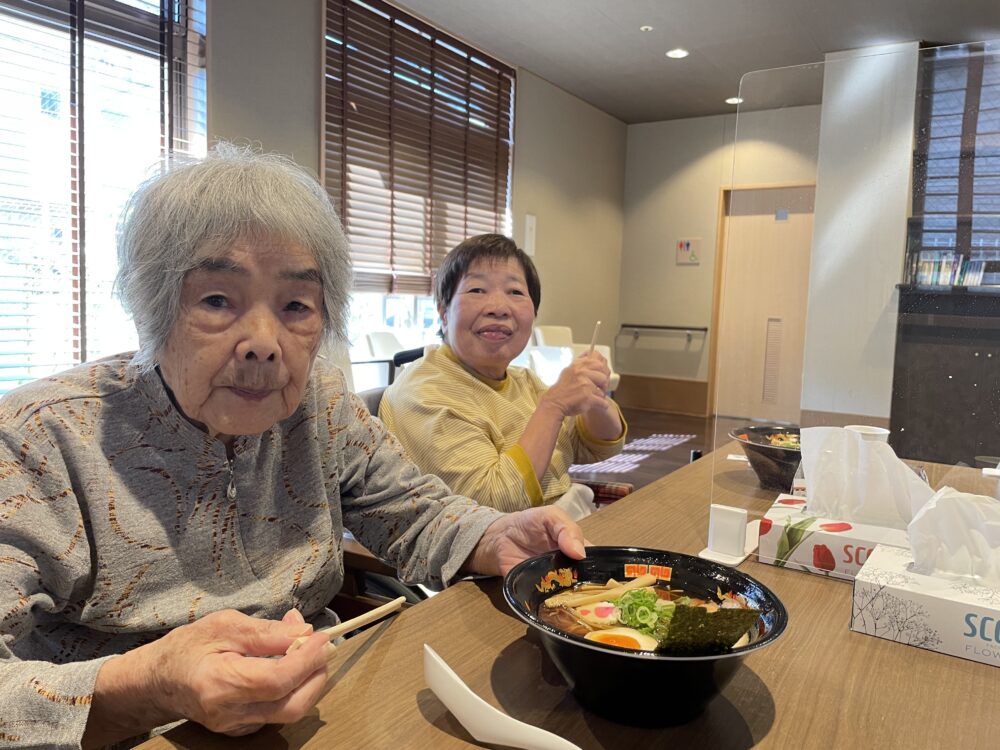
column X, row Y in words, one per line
column 484, row 723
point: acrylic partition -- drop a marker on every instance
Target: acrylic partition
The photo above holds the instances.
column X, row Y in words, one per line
column 858, row 274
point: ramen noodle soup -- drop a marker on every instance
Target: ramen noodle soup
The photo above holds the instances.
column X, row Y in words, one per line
column 644, row 615
column 784, row 440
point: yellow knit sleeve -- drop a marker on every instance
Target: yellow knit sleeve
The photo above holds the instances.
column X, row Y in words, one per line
column 581, row 428
column 523, row 464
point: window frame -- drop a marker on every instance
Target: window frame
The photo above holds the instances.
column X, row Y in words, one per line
column 972, row 64
column 171, row 38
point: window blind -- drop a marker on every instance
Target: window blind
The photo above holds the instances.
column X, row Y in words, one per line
column 957, row 156
column 95, row 93
column 417, row 142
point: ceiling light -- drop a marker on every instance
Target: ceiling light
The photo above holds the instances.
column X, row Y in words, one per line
column 645, row 28
column 678, row 53
column 734, row 100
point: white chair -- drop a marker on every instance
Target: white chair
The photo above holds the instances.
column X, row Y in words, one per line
column 359, row 350
column 338, row 355
column 523, row 359
column 553, row 336
column 604, row 351
column 384, row 344
column 548, row 361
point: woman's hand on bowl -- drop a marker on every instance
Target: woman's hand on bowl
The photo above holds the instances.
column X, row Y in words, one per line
column 518, row 536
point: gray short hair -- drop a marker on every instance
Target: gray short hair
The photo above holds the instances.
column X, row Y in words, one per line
column 235, row 193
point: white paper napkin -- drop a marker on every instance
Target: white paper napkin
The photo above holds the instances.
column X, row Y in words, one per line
column 956, row 533
column 577, row 501
column 852, row 479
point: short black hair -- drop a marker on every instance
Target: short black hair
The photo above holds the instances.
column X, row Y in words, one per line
column 483, row 247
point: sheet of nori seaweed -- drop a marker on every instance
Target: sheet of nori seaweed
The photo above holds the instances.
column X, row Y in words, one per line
column 696, row 631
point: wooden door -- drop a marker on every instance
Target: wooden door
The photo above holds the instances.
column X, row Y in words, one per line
column 767, row 234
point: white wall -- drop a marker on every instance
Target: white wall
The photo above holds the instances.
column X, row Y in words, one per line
column 674, row 174
column 264, row 75
column 859, row 233
column 569, row 172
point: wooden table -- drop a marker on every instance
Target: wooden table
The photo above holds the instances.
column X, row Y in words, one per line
column 819, row 686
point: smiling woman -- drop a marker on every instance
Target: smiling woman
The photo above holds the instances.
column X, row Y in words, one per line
column 489, row 319
column 492, row 431
column 171, row 515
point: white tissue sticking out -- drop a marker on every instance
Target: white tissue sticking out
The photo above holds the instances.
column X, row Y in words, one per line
column 578, row 502
column 958, row 534
column 852, row 479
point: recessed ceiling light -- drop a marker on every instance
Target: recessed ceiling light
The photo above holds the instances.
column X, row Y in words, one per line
column 734, row 100
column 678, row 53
column 645, row 28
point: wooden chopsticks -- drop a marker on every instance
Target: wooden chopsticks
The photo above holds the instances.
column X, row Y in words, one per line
column 352, row 624
column 593, row 338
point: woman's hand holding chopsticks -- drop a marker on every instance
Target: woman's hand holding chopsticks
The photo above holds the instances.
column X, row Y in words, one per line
column 579, row 391
column 211, row 672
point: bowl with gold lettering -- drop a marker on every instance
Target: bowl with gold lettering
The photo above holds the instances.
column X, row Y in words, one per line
column 643, row 637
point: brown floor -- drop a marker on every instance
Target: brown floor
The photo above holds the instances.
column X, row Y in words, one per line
column 660, row 463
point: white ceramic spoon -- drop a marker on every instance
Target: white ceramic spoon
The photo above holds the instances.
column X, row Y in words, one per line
column 484, row 723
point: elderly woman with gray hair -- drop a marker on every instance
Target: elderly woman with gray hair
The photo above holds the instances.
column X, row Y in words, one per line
column 171, row 516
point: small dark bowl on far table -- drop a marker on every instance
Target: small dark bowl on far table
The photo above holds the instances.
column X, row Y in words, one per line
column 774, row 466
column 641, row 688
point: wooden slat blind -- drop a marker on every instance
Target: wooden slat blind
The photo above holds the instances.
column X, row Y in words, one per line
column 417, row 142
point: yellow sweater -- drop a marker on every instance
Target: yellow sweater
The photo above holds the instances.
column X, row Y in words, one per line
column 464, row 428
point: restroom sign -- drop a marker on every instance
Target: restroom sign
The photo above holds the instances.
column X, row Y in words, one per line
column 689, row 251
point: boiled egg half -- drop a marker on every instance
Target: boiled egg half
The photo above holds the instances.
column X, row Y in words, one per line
column 623, row 637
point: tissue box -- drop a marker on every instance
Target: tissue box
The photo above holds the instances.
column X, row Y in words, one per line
column 957, row 617
column 825, row 546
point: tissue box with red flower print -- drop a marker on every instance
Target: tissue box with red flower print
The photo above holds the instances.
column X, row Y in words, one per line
column 826, row 546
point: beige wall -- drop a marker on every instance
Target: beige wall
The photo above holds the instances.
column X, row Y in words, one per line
column 569, row 158
column 673, row 176
column 610, row 200
column 264, row 75
column 569, row 172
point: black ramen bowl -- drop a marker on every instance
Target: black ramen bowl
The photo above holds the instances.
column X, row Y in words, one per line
column 641, row 688
column 775, row 467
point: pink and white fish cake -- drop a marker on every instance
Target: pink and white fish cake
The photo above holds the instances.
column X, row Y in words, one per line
column 601, row 614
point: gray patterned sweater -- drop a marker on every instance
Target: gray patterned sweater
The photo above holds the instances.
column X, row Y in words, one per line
column 118, row 523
